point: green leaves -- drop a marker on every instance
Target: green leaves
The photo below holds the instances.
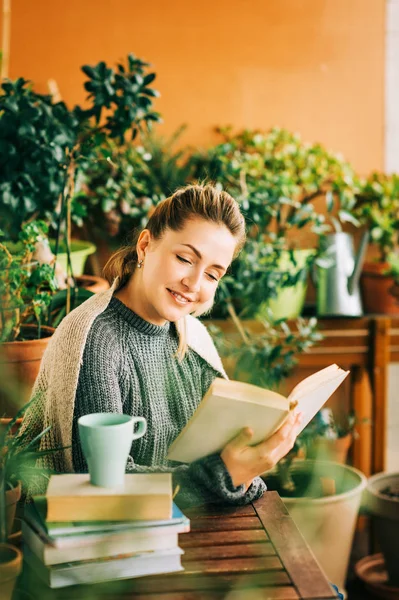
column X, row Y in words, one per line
column 25, row 286
column 36, row 136
column 267, row 357
column 18, row 456
column 124, row 182
column 125, row 91
column 39, row 138
column 276, row 177
column 377, row 208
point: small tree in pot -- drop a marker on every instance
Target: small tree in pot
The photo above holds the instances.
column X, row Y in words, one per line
column 26, row 289
column 44, row 144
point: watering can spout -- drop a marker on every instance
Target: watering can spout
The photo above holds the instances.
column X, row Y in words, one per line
column 354, row 277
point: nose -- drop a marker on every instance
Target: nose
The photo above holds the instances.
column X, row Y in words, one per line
column 192, row 282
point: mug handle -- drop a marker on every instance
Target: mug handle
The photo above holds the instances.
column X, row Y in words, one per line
column 141, row 429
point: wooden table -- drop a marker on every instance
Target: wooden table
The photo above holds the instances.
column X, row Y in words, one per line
column 248, row 553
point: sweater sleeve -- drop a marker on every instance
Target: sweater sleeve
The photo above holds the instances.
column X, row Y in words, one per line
column 204, row 481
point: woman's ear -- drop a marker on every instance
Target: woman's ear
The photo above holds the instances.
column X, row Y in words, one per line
column 143, row 243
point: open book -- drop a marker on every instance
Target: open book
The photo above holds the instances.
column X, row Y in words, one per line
column 228, row 406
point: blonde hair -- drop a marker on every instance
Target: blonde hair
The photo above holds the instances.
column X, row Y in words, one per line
column 204, row 201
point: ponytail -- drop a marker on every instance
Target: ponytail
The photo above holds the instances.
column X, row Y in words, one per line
column 121, row 264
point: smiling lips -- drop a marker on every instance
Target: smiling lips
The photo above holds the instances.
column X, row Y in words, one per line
column 180, row 298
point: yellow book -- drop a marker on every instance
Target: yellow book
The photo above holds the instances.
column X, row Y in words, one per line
column 228, row 406
column 145, row 496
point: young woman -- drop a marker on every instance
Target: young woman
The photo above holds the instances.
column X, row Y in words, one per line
column 138, row 349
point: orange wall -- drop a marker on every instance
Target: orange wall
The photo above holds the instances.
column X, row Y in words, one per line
column 314, row 66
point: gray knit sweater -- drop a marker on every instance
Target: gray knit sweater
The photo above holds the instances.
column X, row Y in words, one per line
column 129, row 366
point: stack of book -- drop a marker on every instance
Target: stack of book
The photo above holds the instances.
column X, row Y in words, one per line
column 79, row 533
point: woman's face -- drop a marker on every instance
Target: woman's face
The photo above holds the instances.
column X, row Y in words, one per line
column 181, row 271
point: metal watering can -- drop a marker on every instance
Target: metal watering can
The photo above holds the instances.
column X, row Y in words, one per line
column 338, row 292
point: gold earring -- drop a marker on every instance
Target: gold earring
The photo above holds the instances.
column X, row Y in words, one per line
column 140, row 264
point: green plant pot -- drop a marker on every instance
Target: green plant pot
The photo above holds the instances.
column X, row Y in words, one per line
column 80, row 250
column 288, row 303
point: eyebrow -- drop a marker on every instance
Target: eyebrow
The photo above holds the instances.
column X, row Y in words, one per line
column 198, row 253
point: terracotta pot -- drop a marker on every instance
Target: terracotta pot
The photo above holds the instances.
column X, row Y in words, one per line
column 10, row 568
column 377, row 290
column 13, row 495
column 335, row 450
column 92, row 283
column 21, row 360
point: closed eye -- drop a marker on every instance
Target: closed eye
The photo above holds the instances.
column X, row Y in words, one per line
column 212, row 277
column 183, row 260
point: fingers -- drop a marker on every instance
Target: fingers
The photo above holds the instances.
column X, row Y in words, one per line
column 242, row 439
column 291, row 425
column 283, row 439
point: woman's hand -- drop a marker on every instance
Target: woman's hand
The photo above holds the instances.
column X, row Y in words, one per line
column 245, row 462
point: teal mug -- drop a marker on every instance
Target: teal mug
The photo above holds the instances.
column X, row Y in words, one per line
column 106, row 440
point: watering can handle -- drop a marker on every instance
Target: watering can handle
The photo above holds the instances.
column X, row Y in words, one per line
column 354, row 278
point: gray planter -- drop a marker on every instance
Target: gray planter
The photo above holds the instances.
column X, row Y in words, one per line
column 385, row 512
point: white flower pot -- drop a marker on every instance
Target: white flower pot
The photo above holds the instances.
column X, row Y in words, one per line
column 328, row 523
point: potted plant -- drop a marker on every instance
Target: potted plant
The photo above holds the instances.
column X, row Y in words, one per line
column 382, row 502
column 10, row 568
column 37, row 136
column 277, row 178
column 26, row 289
column 316, row 490
column 22, row 463
column 46, row 143
column 323, row 499
column 378, row 209
column 20, row 467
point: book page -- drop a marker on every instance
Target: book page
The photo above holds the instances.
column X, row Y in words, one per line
column 247, row 392
column 218, row 420
column 313, row 381
column 311, row 402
